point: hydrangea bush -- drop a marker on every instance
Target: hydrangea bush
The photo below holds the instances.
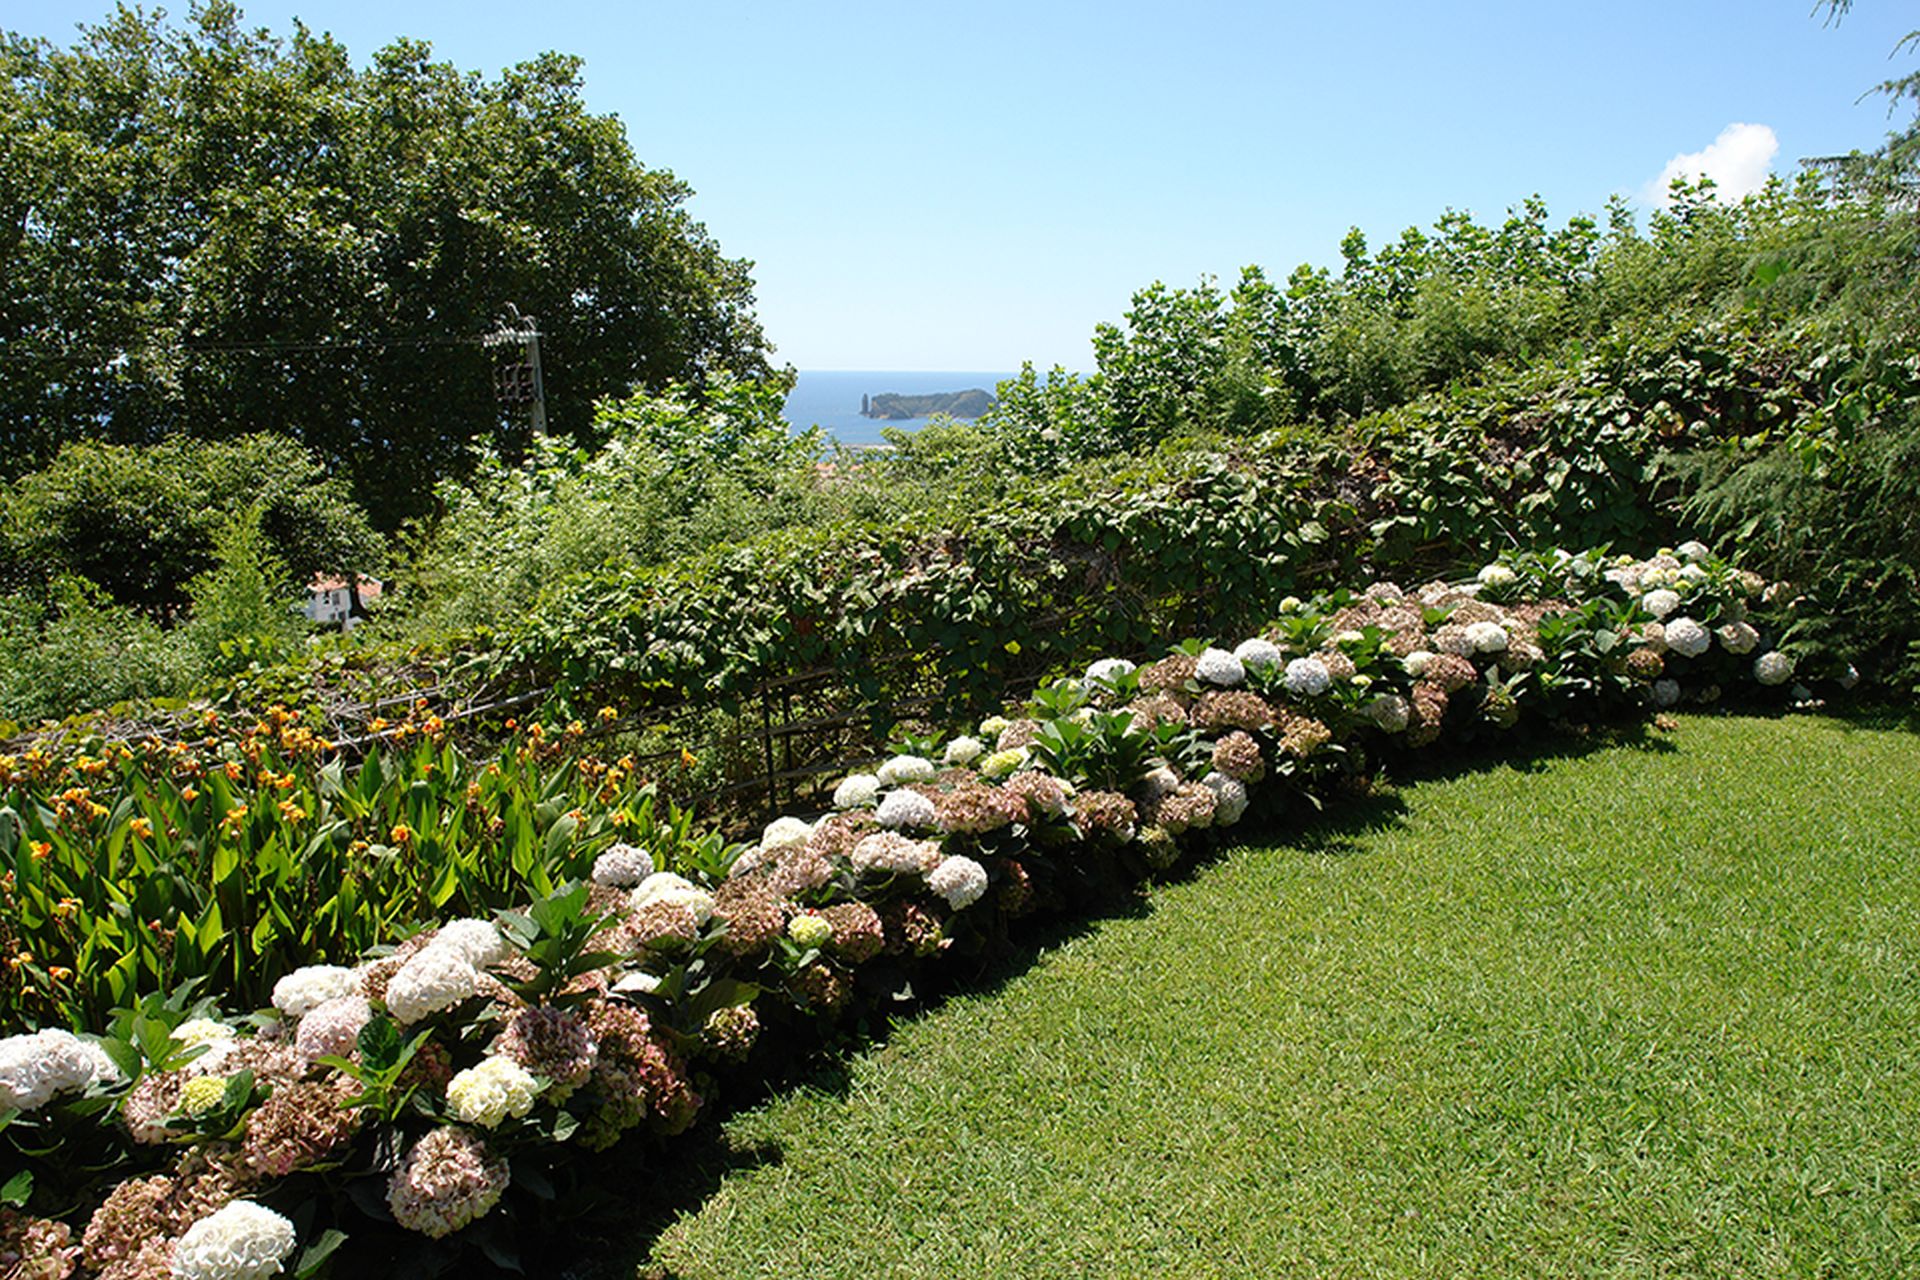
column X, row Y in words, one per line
column 426, row 1077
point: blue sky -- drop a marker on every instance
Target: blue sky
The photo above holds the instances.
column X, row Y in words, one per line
column 966, row 186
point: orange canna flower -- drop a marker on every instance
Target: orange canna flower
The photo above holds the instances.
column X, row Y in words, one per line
column 401, row 834
column 142, row 827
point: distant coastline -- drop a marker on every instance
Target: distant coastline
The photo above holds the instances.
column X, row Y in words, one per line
column 830, row 398
column 895, row 406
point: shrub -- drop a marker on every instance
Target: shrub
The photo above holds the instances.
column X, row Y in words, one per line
column 142, row 521
column 483, row 1057
column 69, row 647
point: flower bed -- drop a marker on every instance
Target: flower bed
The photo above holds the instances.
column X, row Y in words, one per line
column 252, row 850
column 463, row 1071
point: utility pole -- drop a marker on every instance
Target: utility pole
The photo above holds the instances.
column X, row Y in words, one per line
column 521, row 382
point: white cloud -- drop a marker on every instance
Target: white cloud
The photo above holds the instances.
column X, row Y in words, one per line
column 1738, row 161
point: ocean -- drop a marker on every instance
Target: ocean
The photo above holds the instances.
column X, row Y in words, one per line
column 830, row 398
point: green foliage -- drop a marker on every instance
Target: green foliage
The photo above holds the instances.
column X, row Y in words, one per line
column 1106, row 750
column 213, row 229
column 672, row 475
column 244, row 609
column 1846, row 521
column 1059, row 571
column 134, row 871
column 382, row 1056
column 1459, row 302
column 70, row 648
column 552, row 935
column 140, row 521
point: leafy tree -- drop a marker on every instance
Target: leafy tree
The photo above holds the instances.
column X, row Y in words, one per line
column 244, row 608
column 140, row 521
column 1894, row 169
column 209, row 230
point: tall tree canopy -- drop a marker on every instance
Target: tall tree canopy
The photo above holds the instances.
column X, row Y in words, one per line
column 208, row 230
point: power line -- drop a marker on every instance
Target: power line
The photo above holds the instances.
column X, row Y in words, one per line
column 105, row 354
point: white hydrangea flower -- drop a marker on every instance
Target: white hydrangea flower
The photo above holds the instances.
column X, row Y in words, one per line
column 664, row 886
column 1666, row 692
column 198, row 1031
column 993, row 726
column 1688, row 638
column 310, row 986
column 1415, row 664
column 1654, row 577
column 240, row 1241
column 1738, row 637
column 1258, row 654
column 332, row 1029
column 1217, row 666
column 1773, row 668
column 479, row 942
column 784, row 833
column 1002, row 764
column 105, row 1069
column 857, row 791
column 1341, row 639
column 1487, row 637
column 1660, row 602
column 639, row 982
column 1691, row 550
column 622, row 866
column 41, row 1064
column 487, row 1094
column 1692, row 574
column 1389, row 712
column 1496, row 575
column 659, row 885
column 1159, row 782
column 809, row 929
column 1308, row 677
column 906, row 769
column 435, row 979
column 960, row 880
column 905, row 809
column 1105, row 671
column 886, row 851
column 1229, row 798
column 963, row 751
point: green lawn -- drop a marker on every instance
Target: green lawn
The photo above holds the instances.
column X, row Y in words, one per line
column 1642, row 1012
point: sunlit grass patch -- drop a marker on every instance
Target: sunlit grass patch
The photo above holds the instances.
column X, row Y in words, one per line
column 1640, row 1012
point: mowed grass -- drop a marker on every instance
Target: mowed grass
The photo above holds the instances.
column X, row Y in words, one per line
column 1641, row 1012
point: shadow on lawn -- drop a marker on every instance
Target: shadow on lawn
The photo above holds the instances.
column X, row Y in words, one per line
column 617, row 1240
column 1876, row 717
